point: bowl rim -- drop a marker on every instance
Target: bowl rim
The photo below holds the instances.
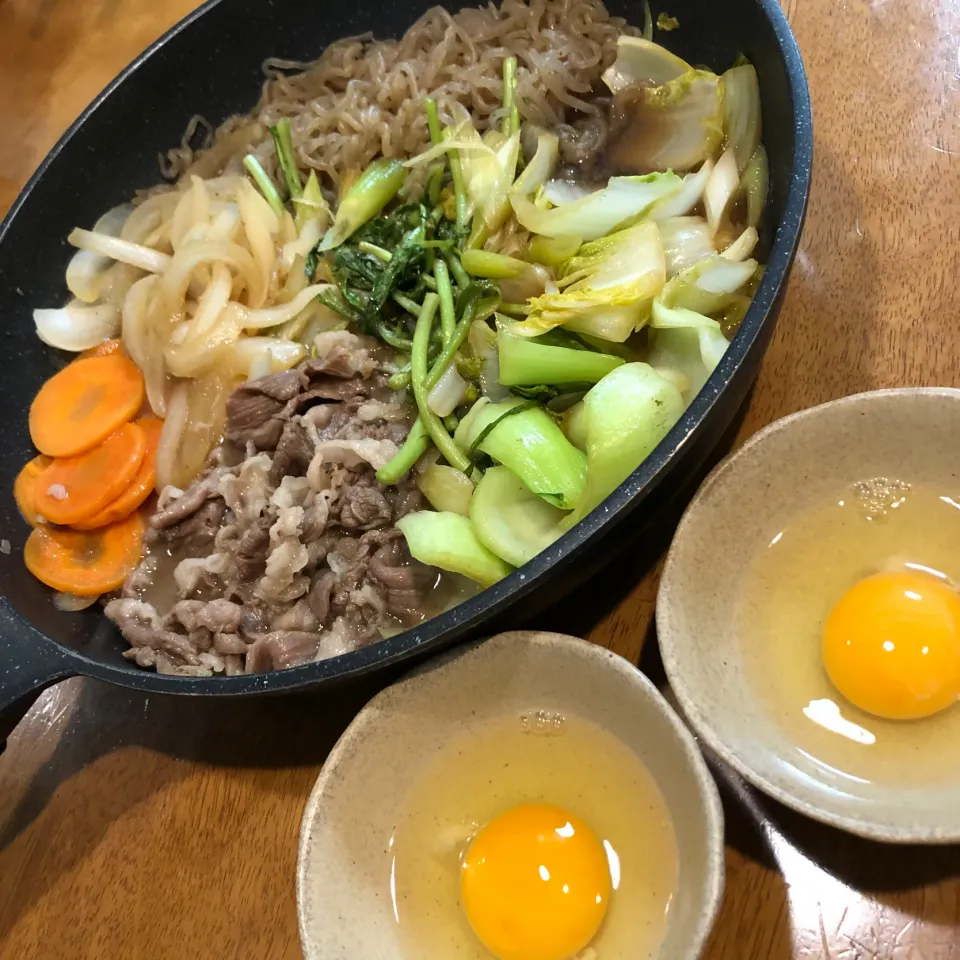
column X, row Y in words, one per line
column 565, row 646
column 61, row 660
column 669, row 637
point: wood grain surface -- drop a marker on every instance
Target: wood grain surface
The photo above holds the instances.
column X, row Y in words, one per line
column 146, row 827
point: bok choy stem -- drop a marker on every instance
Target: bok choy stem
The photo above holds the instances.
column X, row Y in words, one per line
column 283, row 142
column 525, row 362
column 263, row 181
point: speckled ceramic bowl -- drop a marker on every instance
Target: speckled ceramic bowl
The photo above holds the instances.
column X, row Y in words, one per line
column 343, row 870
column 791, row 466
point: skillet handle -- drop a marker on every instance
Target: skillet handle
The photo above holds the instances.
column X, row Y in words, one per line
column 26, row 670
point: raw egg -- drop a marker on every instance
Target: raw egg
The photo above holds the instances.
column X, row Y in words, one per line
column 850, row 627
column 535, row 884
column 536, row 837
column 891, row 645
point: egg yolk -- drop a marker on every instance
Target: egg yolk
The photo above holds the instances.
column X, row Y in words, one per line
column 891, row 645
column 535, row 884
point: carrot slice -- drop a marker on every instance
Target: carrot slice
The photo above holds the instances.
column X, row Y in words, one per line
column 140, row 488
column 102, row 349
column 85, row 564
column 25, row 487
column 75, row 488
column 84, row 403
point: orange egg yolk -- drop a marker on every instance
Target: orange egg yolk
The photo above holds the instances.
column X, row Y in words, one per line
column 535, row 884
column 891, row 645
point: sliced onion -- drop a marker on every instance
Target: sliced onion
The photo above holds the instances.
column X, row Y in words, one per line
column 86, row 268
column 116, row 249
column 70, row 603
column 260, row 224
column 448, row 392
column 176, row 280
column 721, row 187
column 260, row 356
column 173, row 427
column 77, row 326
column 308, row 239
column 679, row 204
column 271, row 316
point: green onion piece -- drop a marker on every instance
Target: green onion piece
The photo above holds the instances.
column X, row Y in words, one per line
column 511, row 115
column 414, row 447
column 524, row 362
column 647, row 21
column 495, row 266
column 456, row 342
column 515, row 309
column 310, row 205
column 265, row 184
column 553, row 252
column 459, row 187
column 421, row 388
column 433, row 120
column 283, row 142
column 377, row 186
column 448, row 316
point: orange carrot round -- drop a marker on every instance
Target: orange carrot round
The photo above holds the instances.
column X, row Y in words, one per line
column 25, row 487
column 85, row 564
column 141, row 486
column 84, row 403
column 72, row 489
column 102, row 349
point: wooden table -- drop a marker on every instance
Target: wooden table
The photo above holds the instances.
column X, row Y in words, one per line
column 146, row 827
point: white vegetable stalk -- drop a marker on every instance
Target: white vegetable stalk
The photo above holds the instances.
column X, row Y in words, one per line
column 448, row 393
column 720, row 189
column 679, row 204
column 743, row 246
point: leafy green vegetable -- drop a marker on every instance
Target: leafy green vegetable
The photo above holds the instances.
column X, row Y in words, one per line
column 530, row 443
column 627, row 414
column 675, row 126
column 375, row 188
column 622, row 201
column 553, row 252
column 712, row 342
column 509, row 520
column 446, row 488
column 666, row 23
column 449, row 541
column 608, row 287
column 526, row 362
column 741, row 112
column 686, row 343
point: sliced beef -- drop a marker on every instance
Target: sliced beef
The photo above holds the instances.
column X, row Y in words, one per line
column 286, row 550
column 293, row 454
column 253, row 410
column 407, row 581
column 363, row 508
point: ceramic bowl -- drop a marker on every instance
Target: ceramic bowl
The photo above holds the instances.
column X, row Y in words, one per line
column 343, row 870
column 792, row 465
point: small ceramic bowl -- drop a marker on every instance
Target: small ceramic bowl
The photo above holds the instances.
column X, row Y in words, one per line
column 343, row 870
column 795, row 464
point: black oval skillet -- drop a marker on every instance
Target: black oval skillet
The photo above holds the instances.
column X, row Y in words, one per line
column 210, row 64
